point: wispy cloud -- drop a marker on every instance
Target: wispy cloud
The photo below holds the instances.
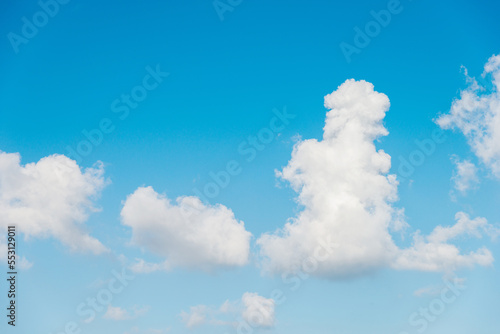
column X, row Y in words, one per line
column 476, row 113
column 117, row 313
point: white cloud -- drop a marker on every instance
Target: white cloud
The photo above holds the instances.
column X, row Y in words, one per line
column 187, row 233
column 197, row 316
column 465, row 177
column 50, row 198
column 346, row 192
column 259, row 311
column 342, row 185
column 252, row 311
column 142, row 267
column 117, row 313
column 477, row 115
column 434, row 253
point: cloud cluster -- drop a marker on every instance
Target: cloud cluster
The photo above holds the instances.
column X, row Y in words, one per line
column 252, row 311
column 346, row 192
column 187, row 233
column 477, row 115
column 258, row 311
column 435, row 253
column 50, row 198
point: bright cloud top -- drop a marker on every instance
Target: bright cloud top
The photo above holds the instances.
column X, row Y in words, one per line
column 187, row 233
column 252, row 311
column 50, row 198
column 477, row 115
column 347, row 194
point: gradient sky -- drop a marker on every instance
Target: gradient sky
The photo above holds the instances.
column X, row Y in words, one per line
column 225, row 79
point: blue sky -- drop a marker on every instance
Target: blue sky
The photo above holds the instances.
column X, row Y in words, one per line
column 226, row 81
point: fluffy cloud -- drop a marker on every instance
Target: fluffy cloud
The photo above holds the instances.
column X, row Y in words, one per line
column 50, row 198
column 434, row 253
column 428, row 291
column 347, row 196
column 142, row 267
column 187, row 233
column 118, row 313
column 342, row 185
column 252, row 311
column 258, row 311
column 477, row 115
column 437, row 290
column 465, row 176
